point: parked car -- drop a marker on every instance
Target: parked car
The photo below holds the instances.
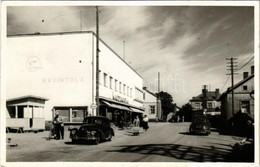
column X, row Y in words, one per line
column 93, row 128
column 200, row 125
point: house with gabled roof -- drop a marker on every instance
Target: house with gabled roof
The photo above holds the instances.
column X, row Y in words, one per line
column 243, row 98
column 206, row 100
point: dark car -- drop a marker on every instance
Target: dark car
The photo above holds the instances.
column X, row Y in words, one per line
column 200, row 125
column 93, row 128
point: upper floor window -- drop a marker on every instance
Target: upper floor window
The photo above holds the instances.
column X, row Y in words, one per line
column 244, row 87
column 197, row 105
column 127, row 92
column 124, row 89
column 105, row 79
column 110, row 82
column 99, row 75
column 130, row 92
column 115, row 85
column 209, row 105
column 120, row 87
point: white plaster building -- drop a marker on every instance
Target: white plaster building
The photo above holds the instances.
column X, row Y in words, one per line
column 62, row 68
column 152, row 105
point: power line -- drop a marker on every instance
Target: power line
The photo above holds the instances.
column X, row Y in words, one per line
column 246, row 63
column 225, row 84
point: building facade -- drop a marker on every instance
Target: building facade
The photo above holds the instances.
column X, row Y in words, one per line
column 243, row 98
column 62, row 67
column 207, row 100
column 152, row 105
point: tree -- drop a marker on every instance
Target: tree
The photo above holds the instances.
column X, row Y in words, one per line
column 167, row 103
column 186, row 111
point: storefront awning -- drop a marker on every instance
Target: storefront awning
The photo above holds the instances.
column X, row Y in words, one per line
column 116, row 106
column 136, row 110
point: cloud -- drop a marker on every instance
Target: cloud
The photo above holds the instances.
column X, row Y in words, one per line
column 192, row 42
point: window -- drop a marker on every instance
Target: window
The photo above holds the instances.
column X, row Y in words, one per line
column 244, row 87
column 209, row 105
column 99, row 77
column 152, row 109
column 120, row 87
column 124, row 89
column 105, row 79
column 130, row 92
column 115, row 85
column 74, row 114
column 197, row 105
column 110, row 82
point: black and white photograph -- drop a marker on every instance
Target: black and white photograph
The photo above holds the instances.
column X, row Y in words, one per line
column 130, row 82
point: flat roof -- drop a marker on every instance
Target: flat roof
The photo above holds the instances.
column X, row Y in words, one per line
column 75, row 32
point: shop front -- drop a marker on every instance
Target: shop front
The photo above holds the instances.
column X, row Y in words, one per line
column 115, row 110
column 71, row 114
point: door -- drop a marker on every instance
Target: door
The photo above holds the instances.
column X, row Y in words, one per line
column 245, row 108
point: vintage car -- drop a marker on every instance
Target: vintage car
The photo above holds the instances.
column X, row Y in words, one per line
column 93, row 128
column 200, row 125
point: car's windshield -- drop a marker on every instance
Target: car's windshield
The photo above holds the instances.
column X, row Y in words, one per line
column 92, row 121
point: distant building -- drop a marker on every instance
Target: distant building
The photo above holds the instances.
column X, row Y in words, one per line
column 152, row 105
column 207, row 100
column 243, row 98
column 62, row 67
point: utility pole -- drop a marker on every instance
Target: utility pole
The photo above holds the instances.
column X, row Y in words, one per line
column 97, row 62
column 124, row 50
column 233, row 69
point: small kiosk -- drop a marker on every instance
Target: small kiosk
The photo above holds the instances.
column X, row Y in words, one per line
column 26, row 113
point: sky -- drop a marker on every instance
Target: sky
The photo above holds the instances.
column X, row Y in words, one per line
column 187, row 45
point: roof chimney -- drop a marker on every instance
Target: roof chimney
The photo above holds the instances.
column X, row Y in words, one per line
column 245, row 75
column 252, row 69
column 216, row 93
column 204, row 91
column 144, row 88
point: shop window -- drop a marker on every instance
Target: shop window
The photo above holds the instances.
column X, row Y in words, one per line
column 77, row 115
column 64, row 114
column 105, row 79
column 152, row 109
column 110, row 82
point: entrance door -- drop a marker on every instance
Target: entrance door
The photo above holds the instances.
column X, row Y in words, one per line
column 245, row 107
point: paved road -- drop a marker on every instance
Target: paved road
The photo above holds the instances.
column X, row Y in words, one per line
column 164, row 142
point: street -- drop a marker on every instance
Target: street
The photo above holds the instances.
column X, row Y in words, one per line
column 163, row 142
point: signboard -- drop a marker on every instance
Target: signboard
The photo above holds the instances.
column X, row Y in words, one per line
column 93, row 106
column 120, row 99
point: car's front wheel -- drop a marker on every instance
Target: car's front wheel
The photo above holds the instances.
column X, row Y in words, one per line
column 97, row 141
column 109, row 138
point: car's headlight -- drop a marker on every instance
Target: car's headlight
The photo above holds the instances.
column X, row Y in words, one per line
column 204, row 127
column 93, row 133
column 73, row 132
